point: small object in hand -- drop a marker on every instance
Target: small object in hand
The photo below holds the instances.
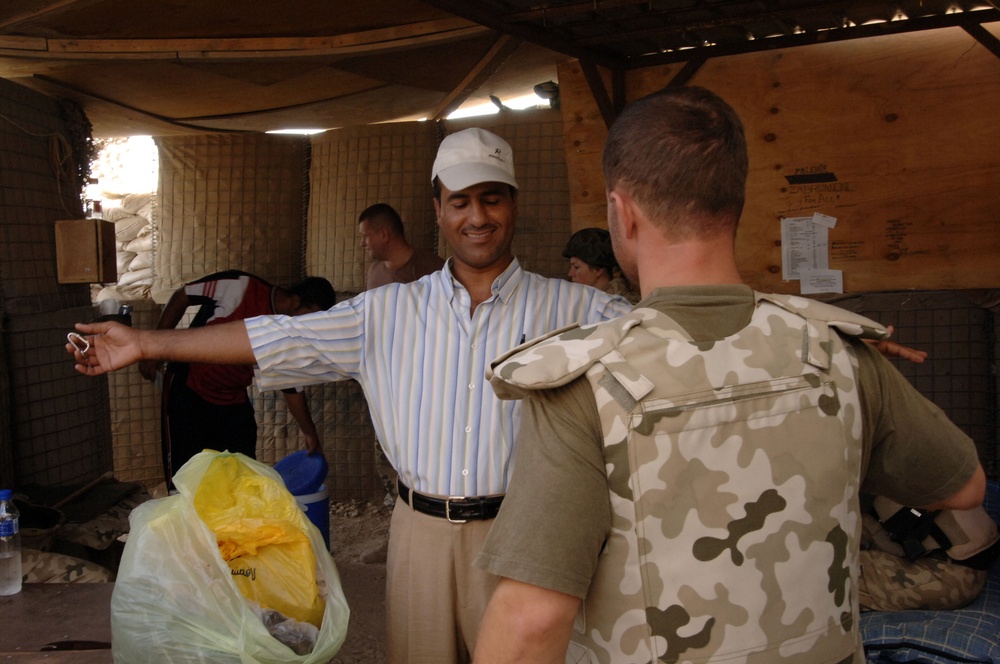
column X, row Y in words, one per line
column 80, row 343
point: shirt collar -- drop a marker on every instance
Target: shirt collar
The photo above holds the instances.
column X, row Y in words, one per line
column 503, row 286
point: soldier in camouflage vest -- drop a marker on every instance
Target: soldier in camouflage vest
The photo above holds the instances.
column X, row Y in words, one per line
column 686, row 486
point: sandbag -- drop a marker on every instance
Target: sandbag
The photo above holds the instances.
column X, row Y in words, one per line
column 138, row 203
column 141, row 261
column 142, row 242
column 124, row 259
column 144, row 276
column 113, row 212
column 129, row 227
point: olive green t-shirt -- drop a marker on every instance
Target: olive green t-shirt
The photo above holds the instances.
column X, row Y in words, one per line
column 557, row 514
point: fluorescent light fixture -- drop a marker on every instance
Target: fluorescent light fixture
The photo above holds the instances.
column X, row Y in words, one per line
column 305, row 132
column 489, row 108
column 472, row 111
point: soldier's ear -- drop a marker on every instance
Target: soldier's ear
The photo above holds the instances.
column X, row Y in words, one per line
column 624, row 210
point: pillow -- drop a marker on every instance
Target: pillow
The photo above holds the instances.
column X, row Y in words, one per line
column 969, row 634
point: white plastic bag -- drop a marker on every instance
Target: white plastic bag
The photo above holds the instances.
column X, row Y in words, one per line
column 175, row 600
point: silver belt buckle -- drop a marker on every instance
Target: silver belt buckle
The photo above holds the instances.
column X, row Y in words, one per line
column 447, row 509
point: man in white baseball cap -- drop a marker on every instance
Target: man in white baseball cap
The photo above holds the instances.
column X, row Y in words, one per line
column 472, row 156
column 482, row 302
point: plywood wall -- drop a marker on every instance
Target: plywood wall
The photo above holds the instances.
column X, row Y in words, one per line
column 896, row 137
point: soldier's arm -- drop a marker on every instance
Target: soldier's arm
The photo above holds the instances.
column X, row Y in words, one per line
column 969, row 496
column 525, row 624
column 891, row 349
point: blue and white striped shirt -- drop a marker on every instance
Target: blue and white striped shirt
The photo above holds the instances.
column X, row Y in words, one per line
column 421, row 360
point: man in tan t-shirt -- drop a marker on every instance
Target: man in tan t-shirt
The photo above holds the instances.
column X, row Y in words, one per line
column 396, row 260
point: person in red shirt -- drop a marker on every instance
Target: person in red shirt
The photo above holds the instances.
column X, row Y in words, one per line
column 206, row 406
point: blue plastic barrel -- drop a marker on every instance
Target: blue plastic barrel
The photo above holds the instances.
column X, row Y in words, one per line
column 317, row 509
column 302, row 473
column 304, row 476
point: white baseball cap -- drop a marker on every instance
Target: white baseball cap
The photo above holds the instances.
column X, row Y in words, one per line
column 472, row 156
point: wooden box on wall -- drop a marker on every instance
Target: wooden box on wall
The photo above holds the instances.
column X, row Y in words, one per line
column 86, row 251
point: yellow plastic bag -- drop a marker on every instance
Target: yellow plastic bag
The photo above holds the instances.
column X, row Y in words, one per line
column 177, row 600
column 262, row 535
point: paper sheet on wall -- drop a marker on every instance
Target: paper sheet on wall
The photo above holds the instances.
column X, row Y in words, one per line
column 821, row 281
column 804, row 246
column 824, row 219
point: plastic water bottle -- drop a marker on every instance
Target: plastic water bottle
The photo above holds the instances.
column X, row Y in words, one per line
column 10, row 545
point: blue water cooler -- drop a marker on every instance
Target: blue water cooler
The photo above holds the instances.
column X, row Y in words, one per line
column 304, row 477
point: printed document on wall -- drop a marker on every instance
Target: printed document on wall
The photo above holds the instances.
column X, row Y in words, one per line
column 804, row 246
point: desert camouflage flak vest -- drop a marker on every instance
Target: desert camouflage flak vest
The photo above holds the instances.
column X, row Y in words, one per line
column 733, row 469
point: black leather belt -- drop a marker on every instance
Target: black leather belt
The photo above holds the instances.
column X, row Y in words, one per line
column 455, row 509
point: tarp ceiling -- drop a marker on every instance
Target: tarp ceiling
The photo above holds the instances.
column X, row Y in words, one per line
column 180, row 66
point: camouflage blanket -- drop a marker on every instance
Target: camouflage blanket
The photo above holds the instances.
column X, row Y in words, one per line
column 891, row 583
column 968, row 634
column 47, row 567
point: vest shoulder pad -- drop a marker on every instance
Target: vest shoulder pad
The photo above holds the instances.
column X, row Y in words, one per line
column 559, row 357
column 821, row 313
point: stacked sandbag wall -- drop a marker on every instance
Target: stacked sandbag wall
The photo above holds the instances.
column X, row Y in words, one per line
column 132, row 215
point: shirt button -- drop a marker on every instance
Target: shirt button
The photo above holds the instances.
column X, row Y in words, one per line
column 465, row 472
column 472, row 386
column 468, row 429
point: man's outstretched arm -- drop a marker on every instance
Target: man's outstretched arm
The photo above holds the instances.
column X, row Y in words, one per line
column 114, row 346
column 526, row 624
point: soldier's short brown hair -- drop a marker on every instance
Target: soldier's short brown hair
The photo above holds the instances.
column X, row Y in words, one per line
column 681, row 154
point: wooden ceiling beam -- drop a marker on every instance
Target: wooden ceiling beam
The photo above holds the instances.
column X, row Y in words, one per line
column 570, row 9
column 822, row 37
column 480, row 13
column 610, row 105
column 34, row 13
column 984, row 37
column 502, row 49
column 674, row 22
column 398, row 37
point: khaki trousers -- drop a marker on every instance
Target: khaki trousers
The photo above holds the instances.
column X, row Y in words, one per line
column 435, row 597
